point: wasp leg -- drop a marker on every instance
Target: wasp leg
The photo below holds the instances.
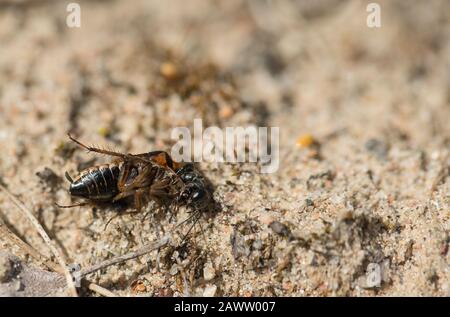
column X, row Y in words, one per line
column 196, row 217
column 173, row 207
column 201, row 228
column 83, row 203
column 186, row 220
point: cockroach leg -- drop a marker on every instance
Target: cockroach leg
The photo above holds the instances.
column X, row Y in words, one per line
column 123, row 195
column 83, row 203
column 138, row 200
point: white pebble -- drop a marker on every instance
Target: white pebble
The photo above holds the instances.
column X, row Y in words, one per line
column 210, row 291
column 208, row 272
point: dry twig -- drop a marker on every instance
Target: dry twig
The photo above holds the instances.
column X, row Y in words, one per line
column 100, row 290
column 132, row 255
column 27, row 249
column 27, row 213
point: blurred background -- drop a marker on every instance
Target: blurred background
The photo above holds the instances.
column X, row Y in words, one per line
column 363, row 114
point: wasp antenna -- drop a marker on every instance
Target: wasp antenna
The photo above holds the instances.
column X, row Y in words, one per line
column 68, row 177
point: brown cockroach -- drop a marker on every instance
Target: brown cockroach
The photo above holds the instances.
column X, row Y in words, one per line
column 145, row 175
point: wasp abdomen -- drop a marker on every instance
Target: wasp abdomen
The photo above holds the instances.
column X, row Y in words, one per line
column 97, row 183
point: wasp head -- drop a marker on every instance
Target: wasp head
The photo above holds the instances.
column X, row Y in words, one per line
column 195, row 193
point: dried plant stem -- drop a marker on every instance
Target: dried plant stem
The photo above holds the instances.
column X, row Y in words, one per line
column 27, row 213
column 132, row 255
column 100, row 290
column 27, row 249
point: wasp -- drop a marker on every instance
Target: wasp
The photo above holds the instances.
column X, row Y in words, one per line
column 140, row 176
column 196, row 194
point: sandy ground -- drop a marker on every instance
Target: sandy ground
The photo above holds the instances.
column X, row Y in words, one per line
column 362, row 212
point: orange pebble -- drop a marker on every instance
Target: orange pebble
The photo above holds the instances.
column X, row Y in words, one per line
column 169, row 70
column 138, row 287
column 306, row 140
column 225, row 112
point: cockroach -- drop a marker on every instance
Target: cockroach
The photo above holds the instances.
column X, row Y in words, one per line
column 138, row 175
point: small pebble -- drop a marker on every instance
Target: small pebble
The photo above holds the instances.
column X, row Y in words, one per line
column 377, row 147
column 173, row 270
column 17, row 285
column 305, row 141
column 280, row 228
column 226, row 112
column 210, row 291
column 138, row 286
column 169, row 70
column 208, row 272
column 309, row 202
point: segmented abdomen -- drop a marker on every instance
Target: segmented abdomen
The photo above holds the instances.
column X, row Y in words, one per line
column 97, row 183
